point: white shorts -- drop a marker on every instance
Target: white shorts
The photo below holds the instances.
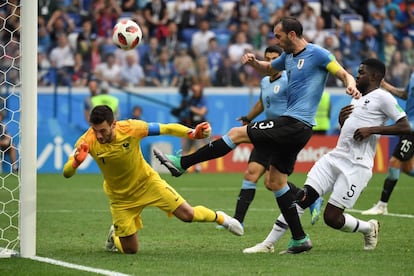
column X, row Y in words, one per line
column 339, row 176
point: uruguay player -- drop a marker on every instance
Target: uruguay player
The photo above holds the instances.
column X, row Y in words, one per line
column 307, row 67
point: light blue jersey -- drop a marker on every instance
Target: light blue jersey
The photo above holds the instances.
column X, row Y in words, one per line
column 409, row 105
column 307, row 72
column 274, row 95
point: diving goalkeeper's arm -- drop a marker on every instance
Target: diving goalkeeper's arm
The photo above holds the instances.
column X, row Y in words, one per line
column 201, row 131
column 76, row 159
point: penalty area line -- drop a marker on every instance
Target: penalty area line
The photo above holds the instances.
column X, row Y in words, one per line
column 389, row 214
column 78, row 267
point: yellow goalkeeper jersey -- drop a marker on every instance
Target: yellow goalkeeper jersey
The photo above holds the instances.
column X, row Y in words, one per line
column 121, row 162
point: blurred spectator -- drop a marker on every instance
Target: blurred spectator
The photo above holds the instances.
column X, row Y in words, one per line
column 129, row 5
column 62, row 60
column 295, row 7
column 163, row 73
column 203, row 72
column 93, row 87
column 173, row 39
column 93, row 57
column 407, row 16
column 237, row 49
column 185, row 79
column 240, row 11
column 194, row 112
column 156, row 17
column 320, row 34
column 350, row 48
column 185, row 13
column 216, row 15
column 227, row 75
column 323, row 115
column 85, row 37
column 46, row 8
column 6, row 144
column 254, row 21
column 108, row 70
column 398, row 71
column 377, row 12
column 43, row 36
column 44, row 75
column 106, row 17
column 214, row 57
column 121, row 56
column 392, row 22
column 131, row 73
column 104, row 98
column 266, row 8
column 200, row 39
column 151, row 56
column 260, row 39
column 407, row 50
column 137, row 113
column 183, row 61
column 371, row 41
column 308, row 19
column 59, row 23
column 81, row 72
column 389, row 48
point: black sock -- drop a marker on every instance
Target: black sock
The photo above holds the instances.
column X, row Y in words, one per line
column 288, row 209
column 246, row 197
column 209, row 151
column 387, row 190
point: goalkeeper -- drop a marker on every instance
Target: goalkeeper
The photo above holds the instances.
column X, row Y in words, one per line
column 129, row 181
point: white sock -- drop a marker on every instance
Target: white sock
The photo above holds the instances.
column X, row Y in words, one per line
column 353, row 224
column 383, row 204
column 279, row 228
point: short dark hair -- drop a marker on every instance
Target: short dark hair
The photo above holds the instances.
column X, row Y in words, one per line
column 100, row 114
column 274, row 49
column 375, row 66
column 289, row 24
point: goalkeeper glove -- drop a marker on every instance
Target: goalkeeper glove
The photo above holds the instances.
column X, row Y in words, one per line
column 201, row 131
column 80, row 154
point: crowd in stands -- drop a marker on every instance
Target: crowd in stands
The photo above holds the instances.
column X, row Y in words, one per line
column 202, row 40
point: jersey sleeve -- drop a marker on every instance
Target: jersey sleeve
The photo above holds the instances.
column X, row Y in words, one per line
column 391, row 108
column 279, row 63
column 328, row 60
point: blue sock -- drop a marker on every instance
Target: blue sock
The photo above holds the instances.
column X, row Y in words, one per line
column 248, row 185
column 228, row 141
column 394, row 173
column 282, row 191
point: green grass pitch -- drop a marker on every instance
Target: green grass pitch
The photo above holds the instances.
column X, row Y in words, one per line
column 73, row 219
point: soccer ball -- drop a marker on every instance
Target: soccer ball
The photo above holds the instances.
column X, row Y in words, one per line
column 126, row 34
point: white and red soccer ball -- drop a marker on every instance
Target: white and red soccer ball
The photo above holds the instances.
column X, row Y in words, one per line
column 126, row 34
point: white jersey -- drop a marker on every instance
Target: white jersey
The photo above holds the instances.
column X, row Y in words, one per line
column 373, row 109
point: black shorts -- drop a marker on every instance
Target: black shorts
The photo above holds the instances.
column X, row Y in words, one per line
column 262, row 159
column 404, row 150
column 280, row 140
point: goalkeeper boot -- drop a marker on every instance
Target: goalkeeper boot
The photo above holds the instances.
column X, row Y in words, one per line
column 299, row 246
column 371, row 238
column 232, row 224
column 260, row 248
column 378, row 209
column 315, row 210
column 110, row 244
column 171, row 162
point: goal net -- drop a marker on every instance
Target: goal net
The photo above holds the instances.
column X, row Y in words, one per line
column 18, row 129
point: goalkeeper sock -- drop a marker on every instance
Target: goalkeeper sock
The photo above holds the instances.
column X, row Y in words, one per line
column 209, row 151
column 203, row 214
column 118, row 244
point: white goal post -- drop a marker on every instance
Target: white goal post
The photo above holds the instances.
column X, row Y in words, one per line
column 18, row 204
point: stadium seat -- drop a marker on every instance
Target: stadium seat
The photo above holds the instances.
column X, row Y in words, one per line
column 223, row 37
column 187, row 35
column 356, row 20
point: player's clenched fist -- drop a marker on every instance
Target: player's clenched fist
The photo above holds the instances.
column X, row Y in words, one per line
column 201, row 131
column 80, row 154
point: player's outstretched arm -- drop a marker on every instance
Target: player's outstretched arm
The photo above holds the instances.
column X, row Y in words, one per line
column 202, row 130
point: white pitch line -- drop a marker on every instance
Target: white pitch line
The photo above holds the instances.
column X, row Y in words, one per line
column 78, row 267
column 389, row 214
